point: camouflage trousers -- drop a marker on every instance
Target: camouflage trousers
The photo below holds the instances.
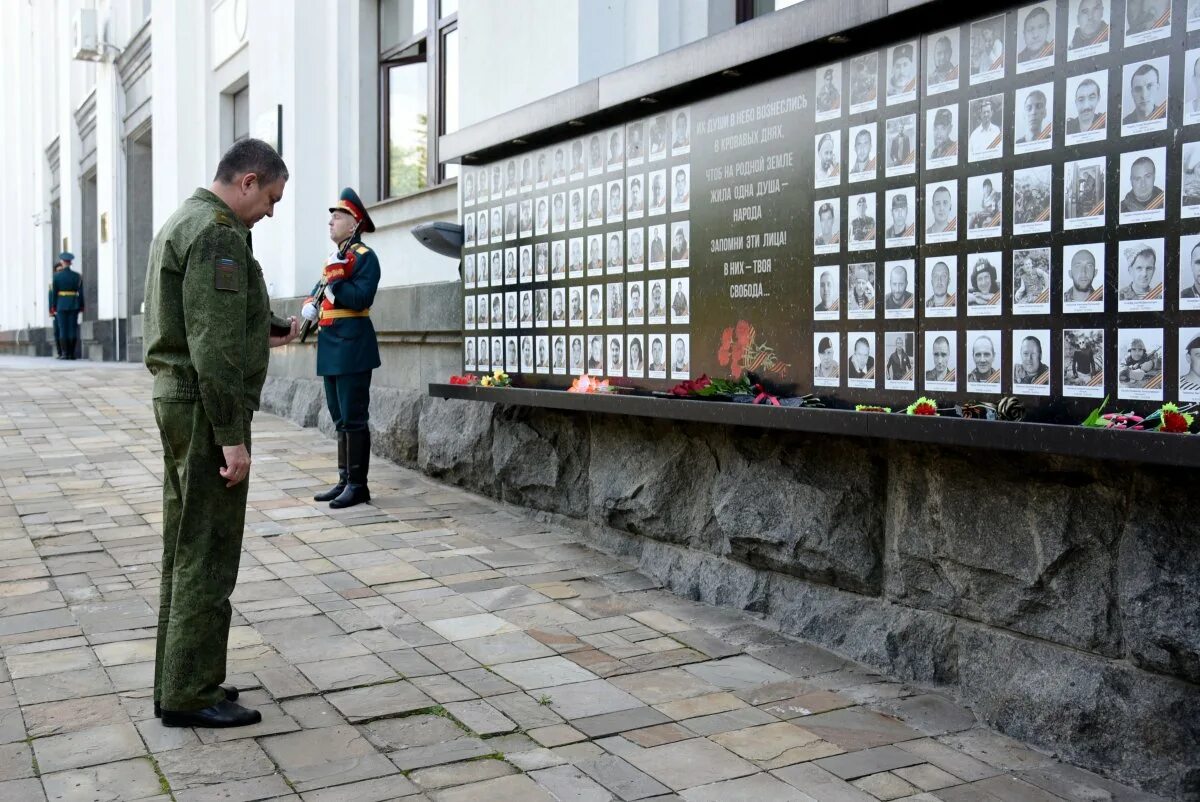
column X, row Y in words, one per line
column 202, row 545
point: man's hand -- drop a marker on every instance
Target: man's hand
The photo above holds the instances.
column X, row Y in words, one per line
column 52, row 313
column 284, row 339
column 237, row 458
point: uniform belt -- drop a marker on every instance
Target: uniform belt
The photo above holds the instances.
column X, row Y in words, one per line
column 67, row 292
column 334, row 314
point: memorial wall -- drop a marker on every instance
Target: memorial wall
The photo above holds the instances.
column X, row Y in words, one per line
column 1007, row 207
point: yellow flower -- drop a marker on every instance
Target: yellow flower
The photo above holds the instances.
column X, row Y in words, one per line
column 486, row 381
column 499, row 375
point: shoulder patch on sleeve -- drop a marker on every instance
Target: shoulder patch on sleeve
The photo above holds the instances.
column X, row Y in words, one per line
column 225, row 274
column 222, row 219
column 361, row 249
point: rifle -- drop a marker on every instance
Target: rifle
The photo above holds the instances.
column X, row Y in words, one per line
column 319, row 295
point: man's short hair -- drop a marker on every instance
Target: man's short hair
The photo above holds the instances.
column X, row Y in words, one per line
column 1036, row 93
column 1038, row 11
column 1143, row 160
column 943, row 117
column 1036, row 342
column 943, row 340
column 825, row 207
column 1144, row 70
column 1087, row 81
column 251, row 156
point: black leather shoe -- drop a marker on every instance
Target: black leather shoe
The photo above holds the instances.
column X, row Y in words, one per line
column 223, row 714
column 231, row 693
column 353, row 494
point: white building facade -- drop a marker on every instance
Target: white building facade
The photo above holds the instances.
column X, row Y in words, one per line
column 119, row 109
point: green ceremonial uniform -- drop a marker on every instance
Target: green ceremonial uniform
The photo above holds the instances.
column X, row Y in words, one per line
column 206, row 332
column 66, row 303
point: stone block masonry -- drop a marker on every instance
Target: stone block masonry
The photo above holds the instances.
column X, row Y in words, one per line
column 1058, row 598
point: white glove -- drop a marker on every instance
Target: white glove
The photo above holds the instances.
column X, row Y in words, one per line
column 309, row 312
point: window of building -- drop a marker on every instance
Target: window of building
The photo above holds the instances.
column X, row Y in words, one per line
column 749, row 9
column 240, row 119
column 418, row 59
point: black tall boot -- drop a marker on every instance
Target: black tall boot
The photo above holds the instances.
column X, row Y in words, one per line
column 358, row 460
column 336, row 490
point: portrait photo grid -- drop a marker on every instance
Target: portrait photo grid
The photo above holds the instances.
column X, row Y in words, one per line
column 591, row 273
column 1007, row 206
column 1024, row 222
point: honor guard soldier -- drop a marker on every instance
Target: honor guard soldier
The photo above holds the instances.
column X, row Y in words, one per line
column 66, row 302
column 347, row 351
column 208, row 328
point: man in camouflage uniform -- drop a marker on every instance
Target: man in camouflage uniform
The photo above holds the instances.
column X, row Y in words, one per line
column 208, row 328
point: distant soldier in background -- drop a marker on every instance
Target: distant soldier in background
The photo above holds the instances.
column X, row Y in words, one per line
column 66, row 303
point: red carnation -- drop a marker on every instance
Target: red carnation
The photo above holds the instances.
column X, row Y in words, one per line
column 1174, row 422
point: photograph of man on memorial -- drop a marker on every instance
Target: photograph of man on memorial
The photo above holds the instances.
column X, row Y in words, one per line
column 862, row 224
column 1031, row 281
column 595, row 165
column 542, row 363
column 1144, row 96
column 658, row 192
column 986, row 140
column 902, row 73
column 1034, row 125
column 635, row 151
column 680, row 249
column 828, row 162
column 984, row 208
column 941, row 130
column 616, row 149
column 941, row 360
column 559, row 171
column 616, row 356
column 827, row 303
column 984, row 285
column 1189, row 272
column 827, row 236
column 941, row 212
column 1191, row 87
column 577, row 163
column 1087, row 104
column 1031, row 374
column 681, row 362
column 1031, row 200
column 899, row 367
column 860, row 365
column 860, row 279
column 1143, row 177
column 681, row 138
column 576, row 365
column 901, row 152
column 1142, row 268
column 899, row 301
column 985, row 361
column 827, row 368
column 657, row 314
column 862, row 139
column 616, row 304
column 829, row 93
column 510, row 177
column 1083, row 190
column 864, row 82
column 559, row 365
column 941, row 296
column 987, row 49
column 657, row 369
column 481, row 228
column 1083, row 362
column 526, row 174
column 658, row 138
column 1084, row 278
column 1190, row 186
column 595, row 362
column 1146, row 21
column 1140, row 360
column 1035, row 36
column 1189, row 368
column 1091, row 33
column 943, row 62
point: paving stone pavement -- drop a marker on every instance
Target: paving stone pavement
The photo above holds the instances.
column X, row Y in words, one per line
column 433, row 646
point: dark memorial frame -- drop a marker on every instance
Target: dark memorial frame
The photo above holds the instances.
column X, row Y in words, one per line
column 760, row 257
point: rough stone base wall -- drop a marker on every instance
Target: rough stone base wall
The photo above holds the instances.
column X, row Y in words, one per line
column 1059, row 598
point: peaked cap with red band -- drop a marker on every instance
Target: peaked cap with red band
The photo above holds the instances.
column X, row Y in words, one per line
column 351, row 204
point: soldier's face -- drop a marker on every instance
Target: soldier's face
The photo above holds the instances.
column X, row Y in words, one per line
column 899, row 346
column 1144, row 89
column 1030, row 356
column 1142, row 272
column 1091, row 16
column 1083, row 270
column 656, row 351
column 985, row 113
column 1036, row 28
column 826, row 153
column 1142, row 181
column 899, row 283
column 940, row 279
column 984, row 355
column 341, row 225
column 900, row 217
column 941, row 354
column 254, row 200
column 1035, row 111
column 1087, row 96
column 1196, row 266
column 826, row 284
column 941, row 206
column 862, row 146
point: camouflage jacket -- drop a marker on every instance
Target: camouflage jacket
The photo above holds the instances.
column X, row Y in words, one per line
column 207, row 317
